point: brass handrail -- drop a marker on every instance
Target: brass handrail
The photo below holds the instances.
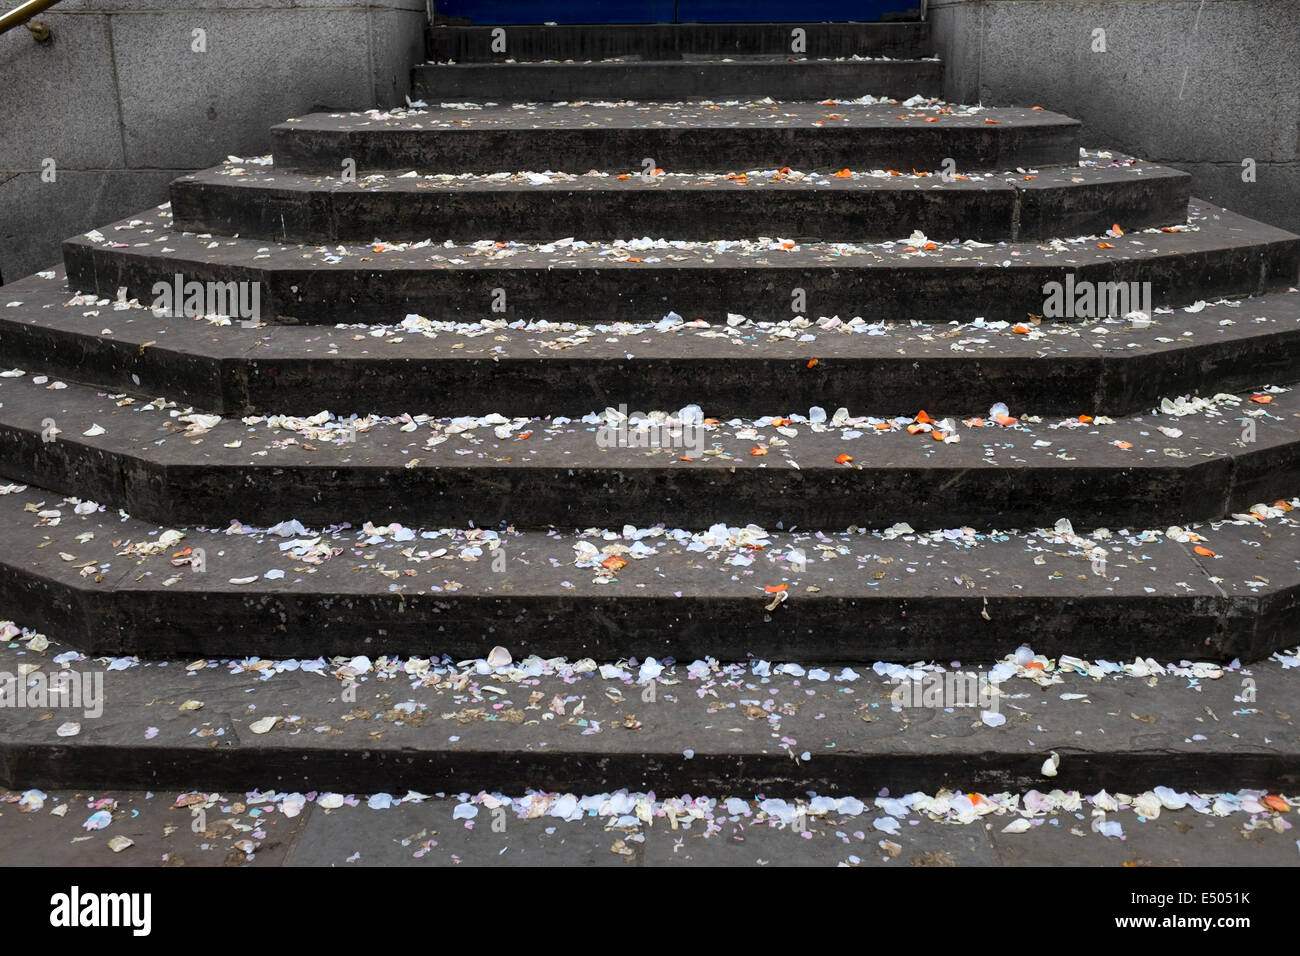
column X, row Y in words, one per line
column 24, row 12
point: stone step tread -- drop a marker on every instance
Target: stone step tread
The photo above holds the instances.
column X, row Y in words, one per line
column 415, row 830
column 1109, row 367
column 728, row 727
column 551, row 472
column 251, row 200
column 677, row 136
column 1218, row 254
column 147, row 238
column 756, row 114
column 686, row 60
column 876, row 444
column 123, row 585
column 1097, row 168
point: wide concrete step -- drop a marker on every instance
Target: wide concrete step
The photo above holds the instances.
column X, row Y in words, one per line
column 673, row 80
column 162, row 463
column 1086, row 198
column 264, row 829
column 433, row 726
column 1217, row 253
column 1109, row 367
column 660, row 41
column 689, row 137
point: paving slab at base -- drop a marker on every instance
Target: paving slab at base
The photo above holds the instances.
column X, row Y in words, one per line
column 160, row 835
column 394, row 838
column 1106, row 368
column 1220, row 254
column 235, row 833
column 161, row 725
column 679, row 137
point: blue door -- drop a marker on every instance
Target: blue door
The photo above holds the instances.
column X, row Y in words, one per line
column 670, row 11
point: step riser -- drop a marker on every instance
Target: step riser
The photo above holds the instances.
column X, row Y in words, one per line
column 675, row 82
column 997, row 213
column 671, row 40
column 304, row 769
column 251, row 621
column 540, row 496
column 646, row 292
column 675, row 149
column 233, row 383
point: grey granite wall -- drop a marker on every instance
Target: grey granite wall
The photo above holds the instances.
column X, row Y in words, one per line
column 1203, row 85
column 121, row 102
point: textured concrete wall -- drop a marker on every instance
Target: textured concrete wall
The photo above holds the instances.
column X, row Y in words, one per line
column 1198, row 84
column 122, row 103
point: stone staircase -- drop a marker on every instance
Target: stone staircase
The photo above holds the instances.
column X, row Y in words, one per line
column 458, row 308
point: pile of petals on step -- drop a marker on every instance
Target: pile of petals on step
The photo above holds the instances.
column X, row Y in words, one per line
column 631, row 810
column 649, row 250
column 450, row 674
column 660, row 430
column 643, row 249
column 635, row 812
column 237, row 168
column 924, row 104
column 605, row 551
column 855, row 58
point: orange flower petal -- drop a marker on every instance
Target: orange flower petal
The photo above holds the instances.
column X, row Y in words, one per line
column 1203, row 552
column 924, row 417
column 1262, row 399
column 812, row 362
column 843, row 174
column 776, row 588
column 613, row 562
column 1275, row 802
column 758, row 450
column 843, row 459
